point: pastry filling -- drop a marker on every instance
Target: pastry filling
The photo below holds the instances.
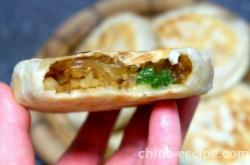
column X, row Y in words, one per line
column 96, row 71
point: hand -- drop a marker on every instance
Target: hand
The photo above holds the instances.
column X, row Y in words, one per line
column 162, row 125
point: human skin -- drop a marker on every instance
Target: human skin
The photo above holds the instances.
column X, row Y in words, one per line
column 161, row 124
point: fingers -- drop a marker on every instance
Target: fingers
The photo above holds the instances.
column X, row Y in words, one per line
column 15, row 144
column 91, row 141
column 135, row 138
column 186, row 109
column 164, row 134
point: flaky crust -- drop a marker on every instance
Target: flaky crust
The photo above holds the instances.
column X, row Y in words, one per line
column 220, row 124
column 28, row 87
column 213, row 30
column 121, row 32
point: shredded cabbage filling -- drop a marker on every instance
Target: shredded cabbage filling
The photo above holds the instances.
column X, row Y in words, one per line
column 83, row 73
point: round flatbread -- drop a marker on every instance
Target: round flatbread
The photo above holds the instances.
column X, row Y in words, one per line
column 212, row 30
column 221, row 129
column 121, row 32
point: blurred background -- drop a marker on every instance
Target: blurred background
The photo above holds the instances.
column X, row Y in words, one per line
column 27, row 25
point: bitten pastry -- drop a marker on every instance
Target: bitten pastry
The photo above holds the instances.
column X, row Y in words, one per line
column 211, row 30
column 99, row 80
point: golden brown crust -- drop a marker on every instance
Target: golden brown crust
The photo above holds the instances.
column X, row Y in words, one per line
column 217, row 32
column 221, row 125
column 124, row 31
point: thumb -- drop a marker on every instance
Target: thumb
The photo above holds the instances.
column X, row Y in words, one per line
column 15, row 144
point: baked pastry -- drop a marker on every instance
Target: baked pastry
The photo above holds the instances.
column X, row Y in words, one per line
column 99, row 80
column 219, row 132
column 211, row 30
column 122, row 32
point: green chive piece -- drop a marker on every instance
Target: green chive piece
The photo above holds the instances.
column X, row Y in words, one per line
column 155, row 79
